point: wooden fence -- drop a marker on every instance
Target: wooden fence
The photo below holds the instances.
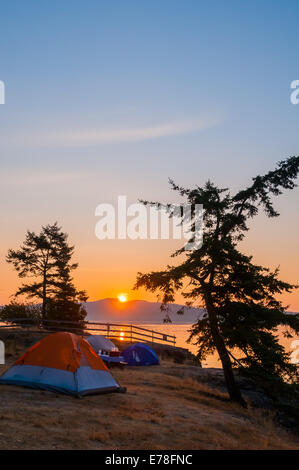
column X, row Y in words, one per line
column 119, row 331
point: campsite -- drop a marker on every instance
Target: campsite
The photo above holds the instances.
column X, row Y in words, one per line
column 158, row 399
column 149, row 294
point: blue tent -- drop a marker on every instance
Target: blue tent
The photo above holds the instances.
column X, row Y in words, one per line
column 140, row 354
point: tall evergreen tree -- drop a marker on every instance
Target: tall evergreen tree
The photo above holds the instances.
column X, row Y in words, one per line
column 240, row 297
column 46, row 259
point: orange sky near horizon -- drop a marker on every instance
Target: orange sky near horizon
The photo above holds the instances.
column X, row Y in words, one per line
column 108, row 268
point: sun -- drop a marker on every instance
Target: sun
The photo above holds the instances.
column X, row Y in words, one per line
column 122, row 298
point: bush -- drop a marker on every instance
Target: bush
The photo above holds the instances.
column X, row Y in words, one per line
column 20, row 313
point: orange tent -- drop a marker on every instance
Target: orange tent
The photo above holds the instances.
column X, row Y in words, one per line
column 63, row 362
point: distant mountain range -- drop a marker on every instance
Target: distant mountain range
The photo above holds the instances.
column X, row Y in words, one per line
column 138, row 311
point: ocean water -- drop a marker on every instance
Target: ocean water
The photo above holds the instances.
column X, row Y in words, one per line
column 181, row 332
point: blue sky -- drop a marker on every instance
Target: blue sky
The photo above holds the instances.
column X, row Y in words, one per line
column 109, row 98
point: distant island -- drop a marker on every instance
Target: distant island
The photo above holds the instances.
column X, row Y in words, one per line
column 138, row 311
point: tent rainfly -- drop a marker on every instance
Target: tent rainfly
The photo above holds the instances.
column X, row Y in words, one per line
column 101, row 344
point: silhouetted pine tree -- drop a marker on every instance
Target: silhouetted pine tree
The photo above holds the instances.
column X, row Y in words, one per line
column 240, row 297
column 46, row 259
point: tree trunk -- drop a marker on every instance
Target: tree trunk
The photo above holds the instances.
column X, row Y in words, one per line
column 44, row 306
column 232, row 387
column 45, row 271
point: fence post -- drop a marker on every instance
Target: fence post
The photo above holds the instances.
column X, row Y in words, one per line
column 108, row 329
column 131, row 333
column 152, row 336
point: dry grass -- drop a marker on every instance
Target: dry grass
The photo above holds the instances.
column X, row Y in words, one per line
column 162, row 409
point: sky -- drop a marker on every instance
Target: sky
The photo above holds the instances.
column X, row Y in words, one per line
column 112, row 98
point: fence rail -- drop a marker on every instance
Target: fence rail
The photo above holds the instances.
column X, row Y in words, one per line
column 119, row 331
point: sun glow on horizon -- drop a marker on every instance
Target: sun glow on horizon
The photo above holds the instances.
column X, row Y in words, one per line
column 122, row 298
